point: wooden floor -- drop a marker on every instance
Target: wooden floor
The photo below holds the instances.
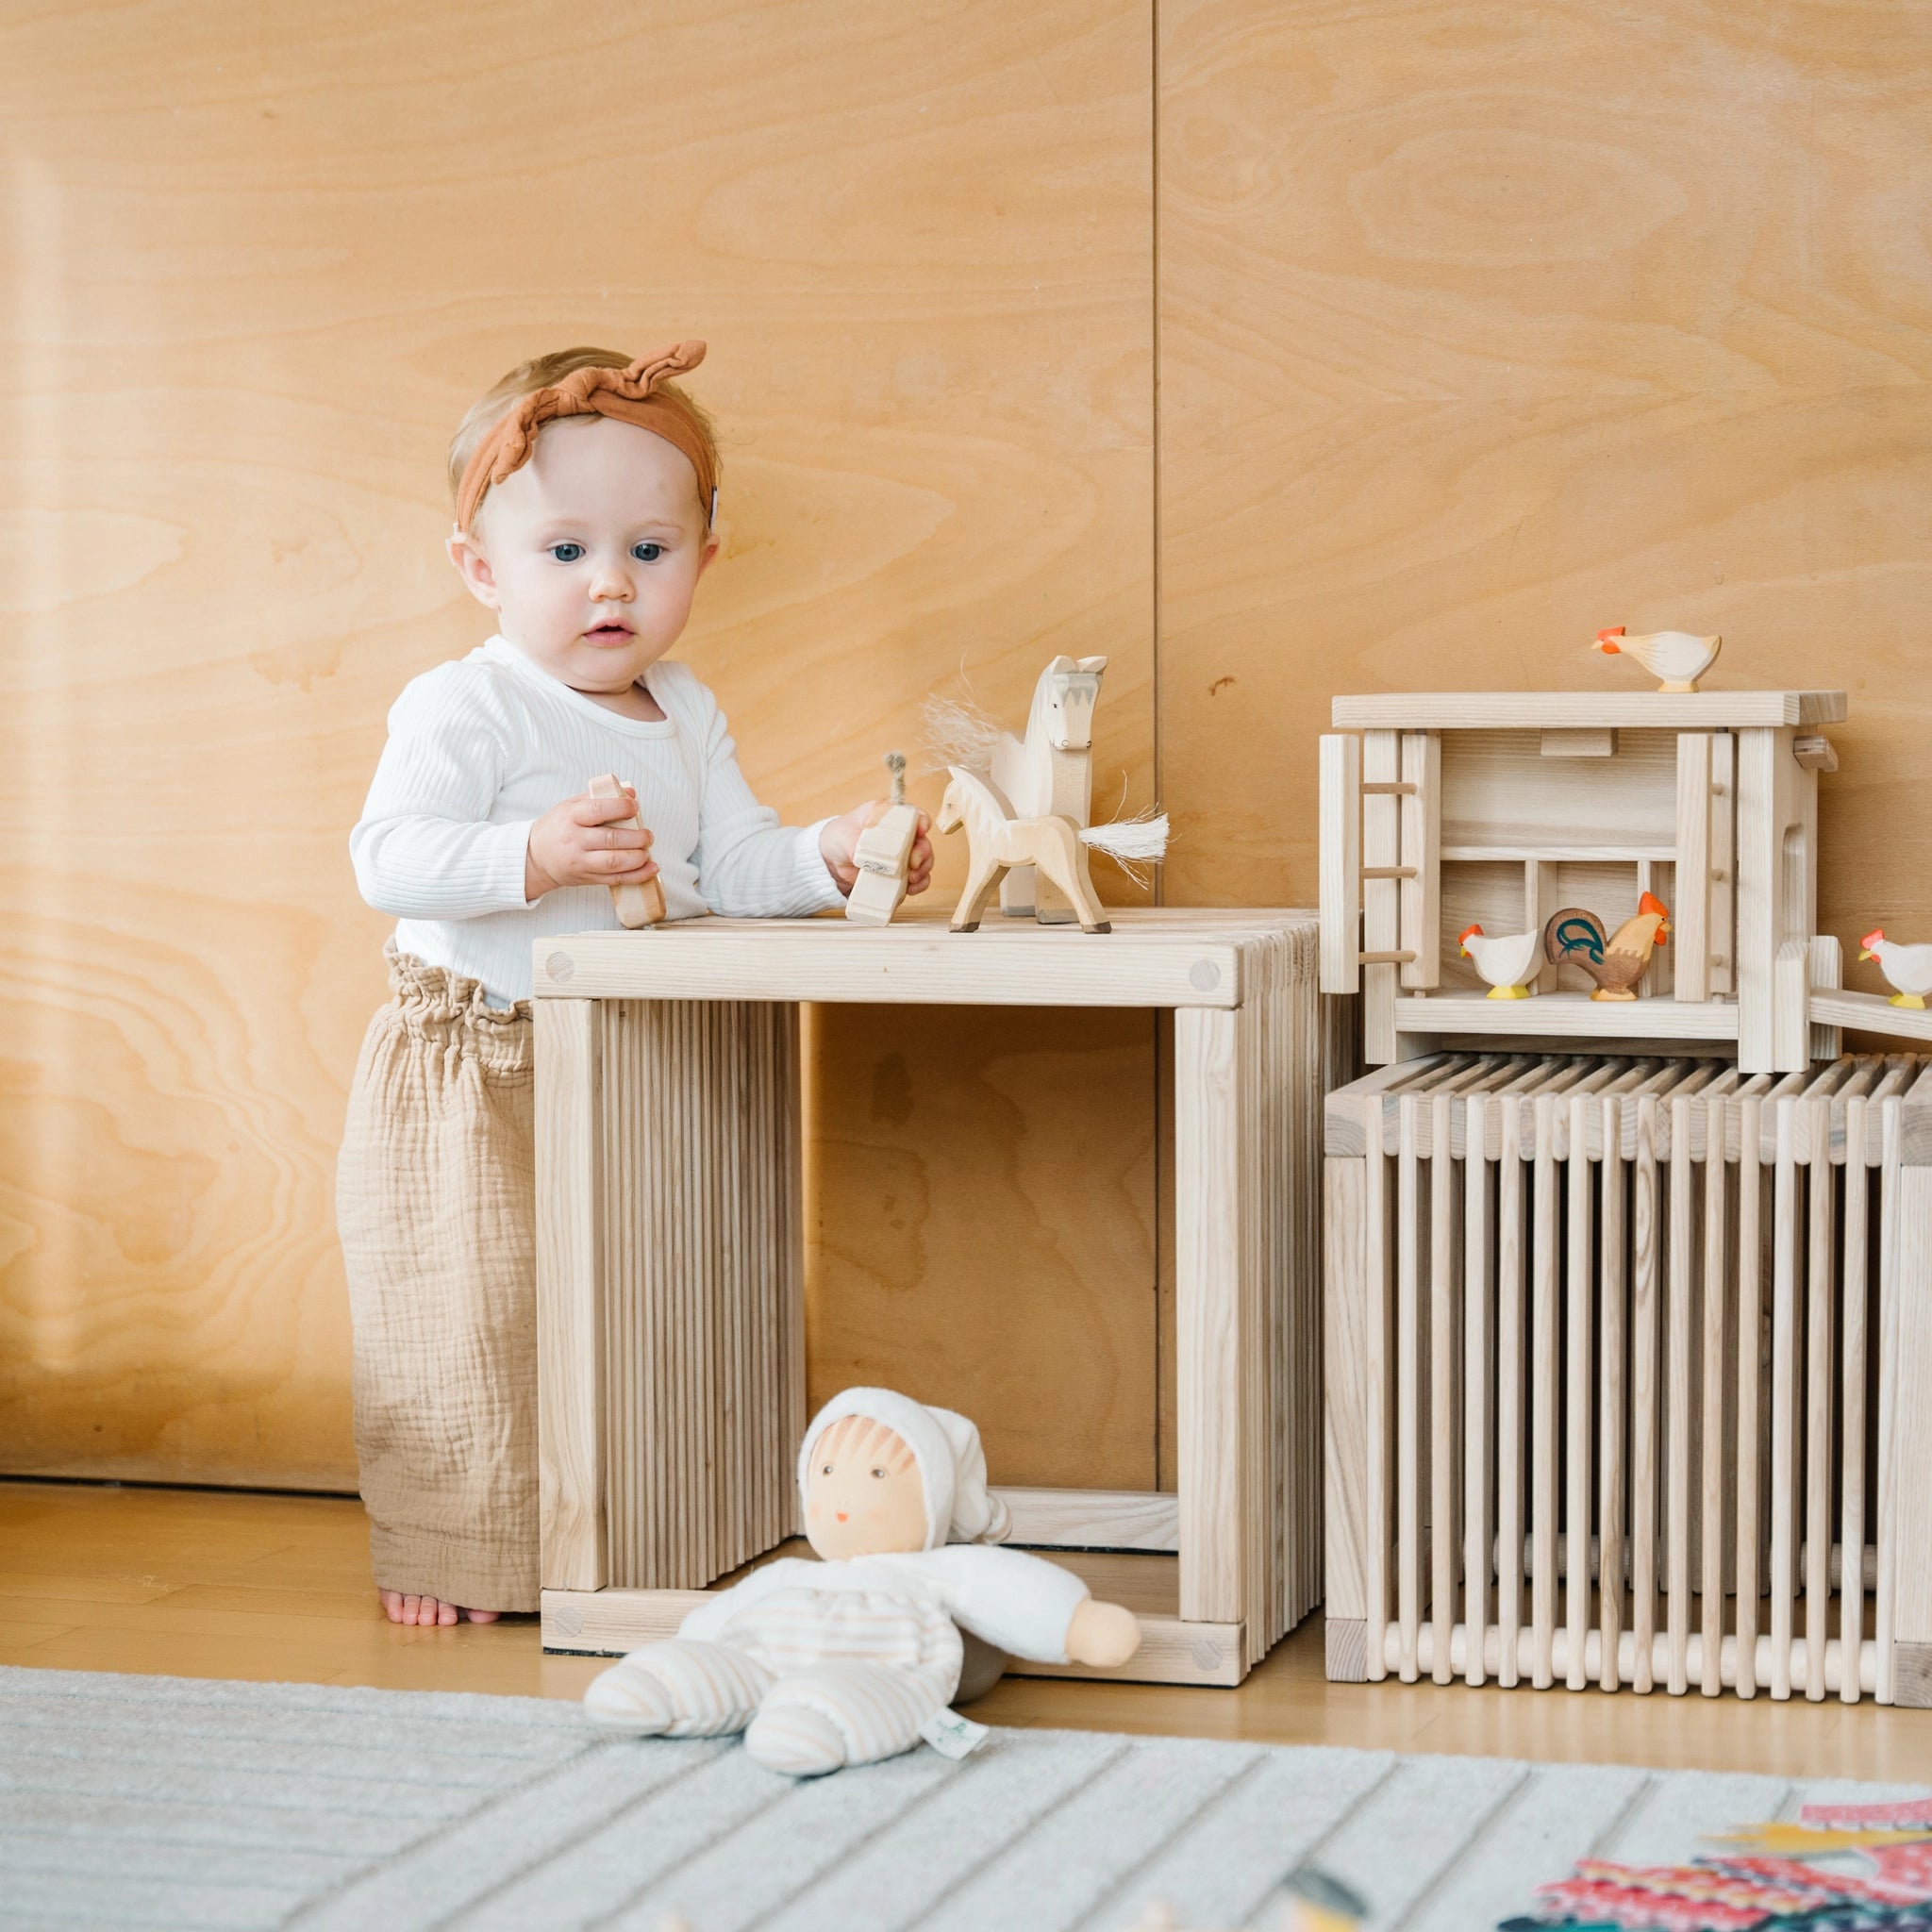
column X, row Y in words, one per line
column 205, row 1584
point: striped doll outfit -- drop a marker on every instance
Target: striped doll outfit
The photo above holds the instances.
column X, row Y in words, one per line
column 824, row 1664
column 828, row 1664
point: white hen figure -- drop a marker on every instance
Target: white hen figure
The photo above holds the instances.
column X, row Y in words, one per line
column 1677, row 656
column 1508, row 963
column 1909, row 968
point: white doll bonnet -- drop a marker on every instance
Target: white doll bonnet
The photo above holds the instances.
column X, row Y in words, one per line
column 960, row 1507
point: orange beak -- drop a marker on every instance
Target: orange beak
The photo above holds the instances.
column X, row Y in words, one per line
column 1606, row 640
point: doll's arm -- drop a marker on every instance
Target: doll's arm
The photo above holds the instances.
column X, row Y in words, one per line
column 1102, row 1635
column 1030, row 1607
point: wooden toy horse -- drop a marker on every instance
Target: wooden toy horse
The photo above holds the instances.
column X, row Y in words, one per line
column 1051, row 772
column 997, row 841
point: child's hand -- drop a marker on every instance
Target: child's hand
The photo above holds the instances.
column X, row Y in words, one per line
column 841, row 836
column 580, row 843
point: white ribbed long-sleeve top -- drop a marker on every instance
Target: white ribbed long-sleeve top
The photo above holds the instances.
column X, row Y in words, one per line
column 480, row 748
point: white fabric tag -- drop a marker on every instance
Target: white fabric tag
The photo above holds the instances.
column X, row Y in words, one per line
column 953, row 1736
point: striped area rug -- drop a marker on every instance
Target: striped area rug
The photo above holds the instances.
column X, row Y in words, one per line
column 133, row 1802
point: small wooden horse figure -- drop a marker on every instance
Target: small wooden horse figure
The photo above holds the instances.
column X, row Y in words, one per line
column 1052, row 772
column 997, row 841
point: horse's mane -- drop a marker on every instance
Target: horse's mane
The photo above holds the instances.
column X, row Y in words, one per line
column 977, row 788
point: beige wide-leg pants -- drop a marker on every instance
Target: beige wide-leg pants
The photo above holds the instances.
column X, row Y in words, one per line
column 436, row 1206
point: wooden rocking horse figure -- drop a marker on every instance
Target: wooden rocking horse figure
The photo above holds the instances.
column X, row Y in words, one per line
column 997, row 841
column 1051, row 772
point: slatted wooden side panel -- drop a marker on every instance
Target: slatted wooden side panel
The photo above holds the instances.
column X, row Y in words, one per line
column 1261, row 1506
column 704, row 1380
column 1627, row 1394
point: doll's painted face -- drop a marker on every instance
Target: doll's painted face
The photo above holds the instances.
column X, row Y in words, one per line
column 862, row 1492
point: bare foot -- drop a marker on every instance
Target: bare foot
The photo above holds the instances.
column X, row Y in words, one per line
column 400, row 1608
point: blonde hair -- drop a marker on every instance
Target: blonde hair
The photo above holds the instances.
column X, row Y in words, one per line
column 866, row 1437
column 540, row 372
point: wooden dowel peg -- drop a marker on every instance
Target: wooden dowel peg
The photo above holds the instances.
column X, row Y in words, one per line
column 1389, row 872
column 1389, row 788
column 1391, row 958
column 637, row 904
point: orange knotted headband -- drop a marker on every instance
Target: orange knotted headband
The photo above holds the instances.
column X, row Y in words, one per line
column 629, row 395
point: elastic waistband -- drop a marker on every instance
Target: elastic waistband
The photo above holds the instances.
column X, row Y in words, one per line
column 451, row 1009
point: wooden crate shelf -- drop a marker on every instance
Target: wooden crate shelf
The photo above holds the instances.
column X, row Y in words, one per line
column 670, row 1258
column 1567, row 1016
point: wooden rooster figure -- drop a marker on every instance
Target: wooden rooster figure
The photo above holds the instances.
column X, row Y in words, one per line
column 1615, row 961
column 1677, row 656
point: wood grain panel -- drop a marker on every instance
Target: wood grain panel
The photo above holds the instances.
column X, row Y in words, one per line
column 257, row 262
column 1485, row 326
column 980, row 1227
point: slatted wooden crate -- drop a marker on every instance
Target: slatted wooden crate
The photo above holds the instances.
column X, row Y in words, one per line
column 670, row 1267
column 1608, row 1338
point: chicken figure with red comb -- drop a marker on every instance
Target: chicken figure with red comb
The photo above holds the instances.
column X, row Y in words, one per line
column 1909, row 968
column 1614, row 961
column 1677, row 656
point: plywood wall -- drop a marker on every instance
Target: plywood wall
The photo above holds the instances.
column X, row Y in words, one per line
column 1485, row 326
column 1471, row 328
column 258, row 261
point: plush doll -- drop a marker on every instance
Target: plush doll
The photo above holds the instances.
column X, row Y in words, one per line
column 842, row 1661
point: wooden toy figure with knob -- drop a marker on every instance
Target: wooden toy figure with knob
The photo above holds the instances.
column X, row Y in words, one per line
column 857, row 1657
column 637, row 906
column 883, row 854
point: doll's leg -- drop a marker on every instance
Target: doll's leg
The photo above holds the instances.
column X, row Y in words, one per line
column 678, row 1688
column 816, row 1720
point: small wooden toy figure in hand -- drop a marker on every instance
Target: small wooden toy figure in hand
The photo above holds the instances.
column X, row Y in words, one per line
column 883, row 854
column 845, row 1661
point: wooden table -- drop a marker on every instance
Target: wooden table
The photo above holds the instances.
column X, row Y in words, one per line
column 669, row 1256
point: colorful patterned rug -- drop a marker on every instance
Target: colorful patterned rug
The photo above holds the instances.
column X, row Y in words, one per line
column 1838, row 1867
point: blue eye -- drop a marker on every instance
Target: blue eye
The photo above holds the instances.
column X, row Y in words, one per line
column 567, row 552
column 647, row 553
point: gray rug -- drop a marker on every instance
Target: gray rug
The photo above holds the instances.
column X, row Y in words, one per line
column 135, row 1802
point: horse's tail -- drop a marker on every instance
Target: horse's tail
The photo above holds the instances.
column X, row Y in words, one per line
column 1140, row 840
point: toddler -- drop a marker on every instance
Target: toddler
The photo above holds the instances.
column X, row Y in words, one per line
column 586, row 496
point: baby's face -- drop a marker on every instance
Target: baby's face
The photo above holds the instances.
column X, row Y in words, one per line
column 862, row 1492
column 590, row 552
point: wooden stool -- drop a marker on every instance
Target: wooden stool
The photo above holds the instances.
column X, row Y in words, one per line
column 669, row 1256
